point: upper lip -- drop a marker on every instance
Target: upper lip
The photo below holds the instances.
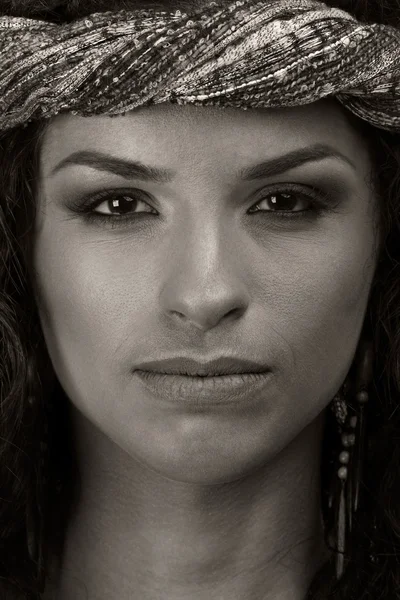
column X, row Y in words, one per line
column 224, row 365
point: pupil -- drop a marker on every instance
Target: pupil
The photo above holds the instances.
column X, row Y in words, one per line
column 123, row 204
column 288, row 203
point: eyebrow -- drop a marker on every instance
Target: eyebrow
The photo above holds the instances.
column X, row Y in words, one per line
column 137, row 170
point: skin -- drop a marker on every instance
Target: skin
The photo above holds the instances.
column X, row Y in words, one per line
column 219, row 502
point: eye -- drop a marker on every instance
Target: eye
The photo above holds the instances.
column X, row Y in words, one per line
column 120, row 207
column 121, row 204
column 279, row 201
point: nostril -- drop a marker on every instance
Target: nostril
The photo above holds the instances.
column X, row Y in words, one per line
column 178, row 314
column 234, row 311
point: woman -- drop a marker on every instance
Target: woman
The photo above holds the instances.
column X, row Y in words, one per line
column 199, row 333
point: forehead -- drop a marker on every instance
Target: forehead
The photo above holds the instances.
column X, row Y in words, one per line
column 175, row 135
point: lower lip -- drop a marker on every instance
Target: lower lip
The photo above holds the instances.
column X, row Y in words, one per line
column 223, row 389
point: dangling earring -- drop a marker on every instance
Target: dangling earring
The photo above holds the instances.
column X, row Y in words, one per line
column 352, row 428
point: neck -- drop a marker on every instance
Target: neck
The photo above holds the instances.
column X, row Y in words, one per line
column 144, row 536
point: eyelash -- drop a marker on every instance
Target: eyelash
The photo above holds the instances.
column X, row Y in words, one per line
column 317, row 199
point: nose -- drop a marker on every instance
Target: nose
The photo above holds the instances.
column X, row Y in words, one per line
column 204, row 281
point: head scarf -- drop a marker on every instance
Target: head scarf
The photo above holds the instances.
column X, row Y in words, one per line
column 246, row 54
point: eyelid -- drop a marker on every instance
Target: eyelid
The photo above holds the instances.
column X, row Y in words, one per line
column 106, row 197
column 91, row 201
column 316, row 195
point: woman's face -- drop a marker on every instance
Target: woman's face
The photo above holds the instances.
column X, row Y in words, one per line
column 272, row 264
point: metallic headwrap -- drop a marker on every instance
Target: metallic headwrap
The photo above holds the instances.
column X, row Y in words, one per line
column 246, row 54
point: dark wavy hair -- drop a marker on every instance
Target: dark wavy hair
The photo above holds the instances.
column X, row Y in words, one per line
column 32, row 399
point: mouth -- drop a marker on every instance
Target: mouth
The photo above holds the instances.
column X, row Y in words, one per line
column 221, row 381
column 189, row 367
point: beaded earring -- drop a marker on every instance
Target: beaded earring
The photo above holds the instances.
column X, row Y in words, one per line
column 351, row 419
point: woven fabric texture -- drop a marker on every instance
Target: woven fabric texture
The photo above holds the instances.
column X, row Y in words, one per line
column 248, row 54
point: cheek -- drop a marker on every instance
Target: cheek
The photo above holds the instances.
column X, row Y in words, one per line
column 316, row 294
column 93, row 300
column 327, row 281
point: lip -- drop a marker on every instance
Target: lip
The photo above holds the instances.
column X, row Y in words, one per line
column 225, row 380
column 223, row 365
column 202, row 391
